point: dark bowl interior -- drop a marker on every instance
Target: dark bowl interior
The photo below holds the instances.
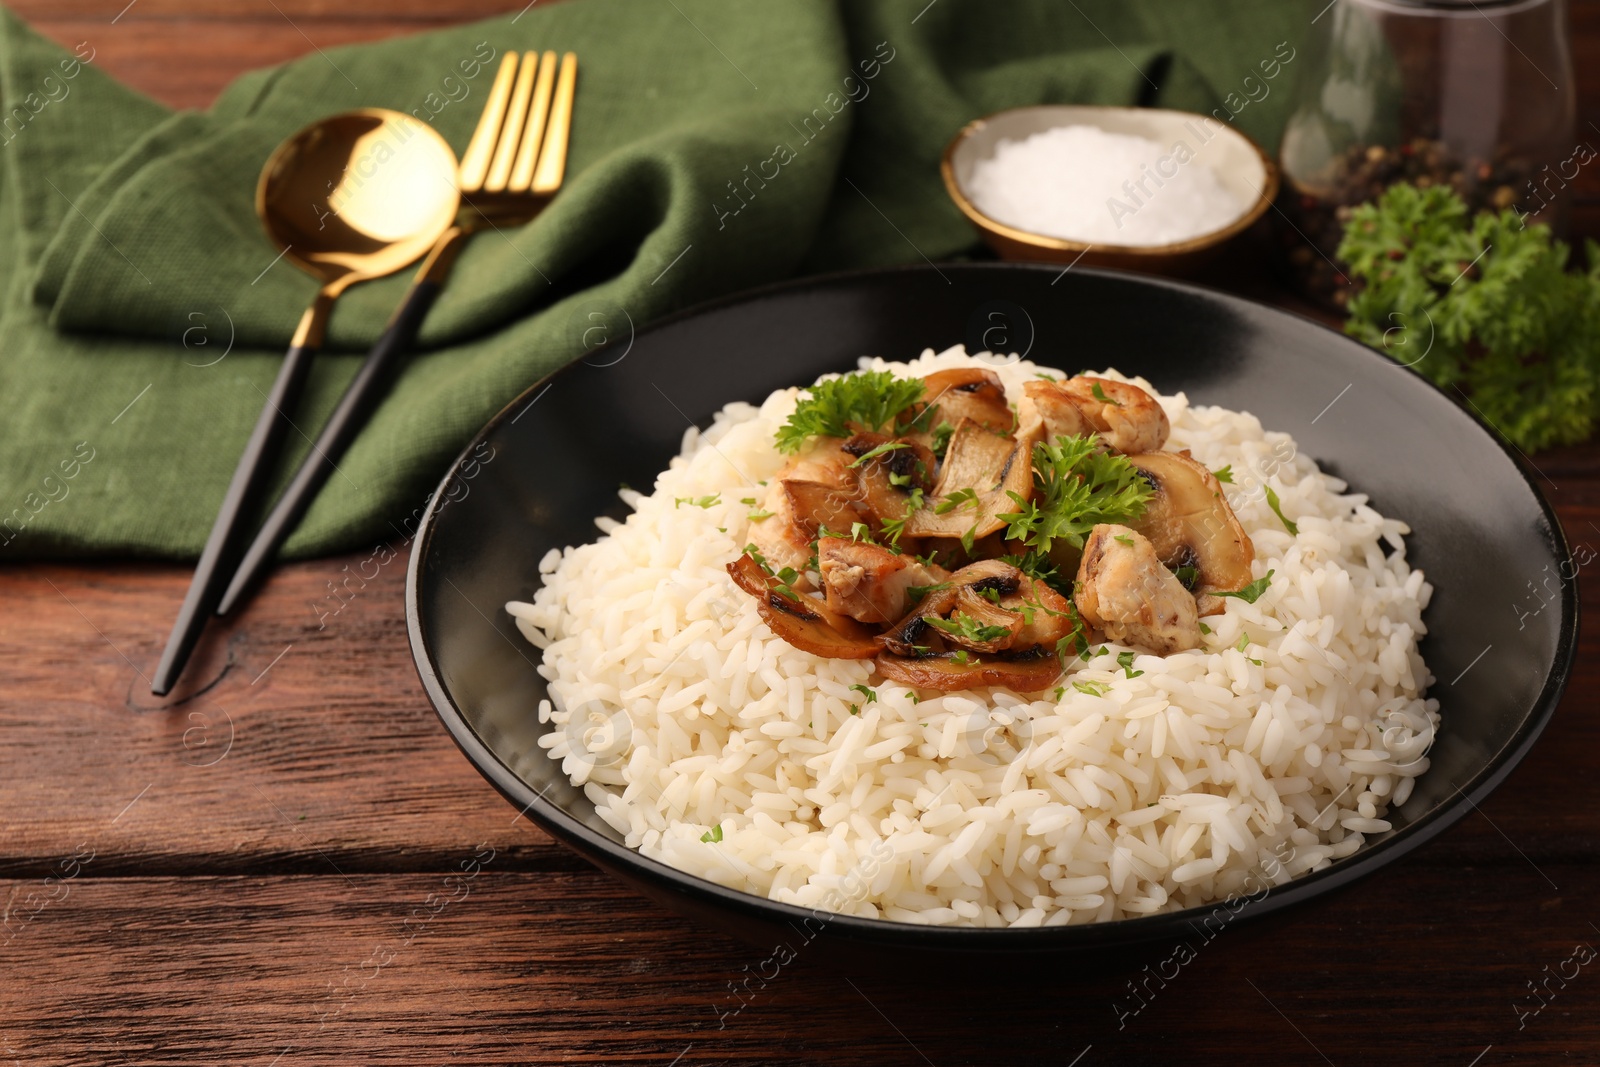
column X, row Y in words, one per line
column 541, row 470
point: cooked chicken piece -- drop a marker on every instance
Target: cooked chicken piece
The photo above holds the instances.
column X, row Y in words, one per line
column 1126, row 591
column 1127, row 418
column 1194, row 531
column 813, row 490
column 961, row 393
column 868, row 582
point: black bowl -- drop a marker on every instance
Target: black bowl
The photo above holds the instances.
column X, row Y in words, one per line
column 535, row 477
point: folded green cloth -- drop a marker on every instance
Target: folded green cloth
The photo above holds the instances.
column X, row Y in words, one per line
column 132, row 259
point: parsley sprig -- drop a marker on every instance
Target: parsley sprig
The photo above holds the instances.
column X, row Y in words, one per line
column 1076, row 488
column 866, row 400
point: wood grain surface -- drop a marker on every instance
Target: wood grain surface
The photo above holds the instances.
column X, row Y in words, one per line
column 271, row 866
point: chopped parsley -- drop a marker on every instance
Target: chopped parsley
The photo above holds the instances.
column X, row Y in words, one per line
column 915, row 593
column 866, row 691
column 697, row 501
column 1041, row 567
column 1094, row 689
column 1076, row 488
column 713, row 835
column 1046, row 377
column 1187, row 575
column 1125, row 539
column 1204, row 628
column 1125, row 661
column 961, row 658
column 873, row 453
column 1244, row 643
column 1060, row 689
column 868, row 400
column 749, row 500
column 967, row 628
column 941, row 438
column 1100, row 395
column 893, row 528
column 758, row 515
column 1252, row 592
column 957, row 499
column 1224, row 475
column 1277, row 509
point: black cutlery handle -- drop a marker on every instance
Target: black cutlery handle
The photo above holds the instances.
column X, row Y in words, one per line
column 360, row 396
column 244, row 491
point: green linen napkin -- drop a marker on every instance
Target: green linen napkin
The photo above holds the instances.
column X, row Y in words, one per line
column 144, row 314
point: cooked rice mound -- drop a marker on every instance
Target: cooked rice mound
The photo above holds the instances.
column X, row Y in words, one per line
column 716, row 747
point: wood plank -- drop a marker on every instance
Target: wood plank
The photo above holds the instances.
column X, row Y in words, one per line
column 1422, row 966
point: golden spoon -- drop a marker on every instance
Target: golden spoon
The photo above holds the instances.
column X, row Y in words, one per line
column 350, row 198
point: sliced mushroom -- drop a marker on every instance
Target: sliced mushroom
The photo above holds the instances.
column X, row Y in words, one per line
column 1192, row 528
column 805, row 622
column 811, row 491
column 988, row 467
column 1026, row 672
column 868, row 582
column 1127, row 418
column 1126, row 591
column 885, row 479
column 989, row 606
column 974, row 393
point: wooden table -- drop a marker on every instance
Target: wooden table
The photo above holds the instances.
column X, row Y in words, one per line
column 222, row 877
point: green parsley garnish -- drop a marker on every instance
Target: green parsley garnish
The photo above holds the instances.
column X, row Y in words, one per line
column 961, row 658
column 915, row 593
column 1046, row 377
column 713, row 835
column 1076, row 488
column 893, row 528
column 957, row 499
column 750, row 500
column 873, row 453
column 1060, row 689
column 868, row 400
column 866, row 691
column 941, row 438
column 697, row 501
column 1272, row 502
column 1244, row 643
column 1204, row 628
column 1125, row 539
column 1100, row 395
column 758, row 515
column 1252, row 592
column 1125, row 661
column 966, row 628
column 1224, row 475
column 1186, row 574
column 1094, row 689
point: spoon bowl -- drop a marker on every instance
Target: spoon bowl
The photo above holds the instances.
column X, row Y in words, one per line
column 358, row 195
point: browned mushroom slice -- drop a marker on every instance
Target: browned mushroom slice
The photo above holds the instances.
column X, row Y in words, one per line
column 1192, row 528
column 805, row 622
column 885, row 470
column 1127, row 418
column 1026, row 672
column 974, row 393
column 1126, row 591
column 912, row 635
column 981, row 471
column 868, row 582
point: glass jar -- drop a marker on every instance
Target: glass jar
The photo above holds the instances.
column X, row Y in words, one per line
column 1475, row 95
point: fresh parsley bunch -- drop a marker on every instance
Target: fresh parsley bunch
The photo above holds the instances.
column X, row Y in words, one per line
column 1483, row 305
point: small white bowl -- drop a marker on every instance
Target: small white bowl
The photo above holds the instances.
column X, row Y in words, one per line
column 1240, row 165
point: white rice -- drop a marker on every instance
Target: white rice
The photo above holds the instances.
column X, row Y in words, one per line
column 680, row 713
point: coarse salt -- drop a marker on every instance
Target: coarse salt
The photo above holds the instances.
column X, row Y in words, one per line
column 1083, row 183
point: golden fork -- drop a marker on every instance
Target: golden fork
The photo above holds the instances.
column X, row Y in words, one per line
column 513, row 165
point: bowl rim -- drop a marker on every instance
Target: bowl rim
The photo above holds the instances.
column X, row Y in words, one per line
column 980, row 939
column 1265, row 198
